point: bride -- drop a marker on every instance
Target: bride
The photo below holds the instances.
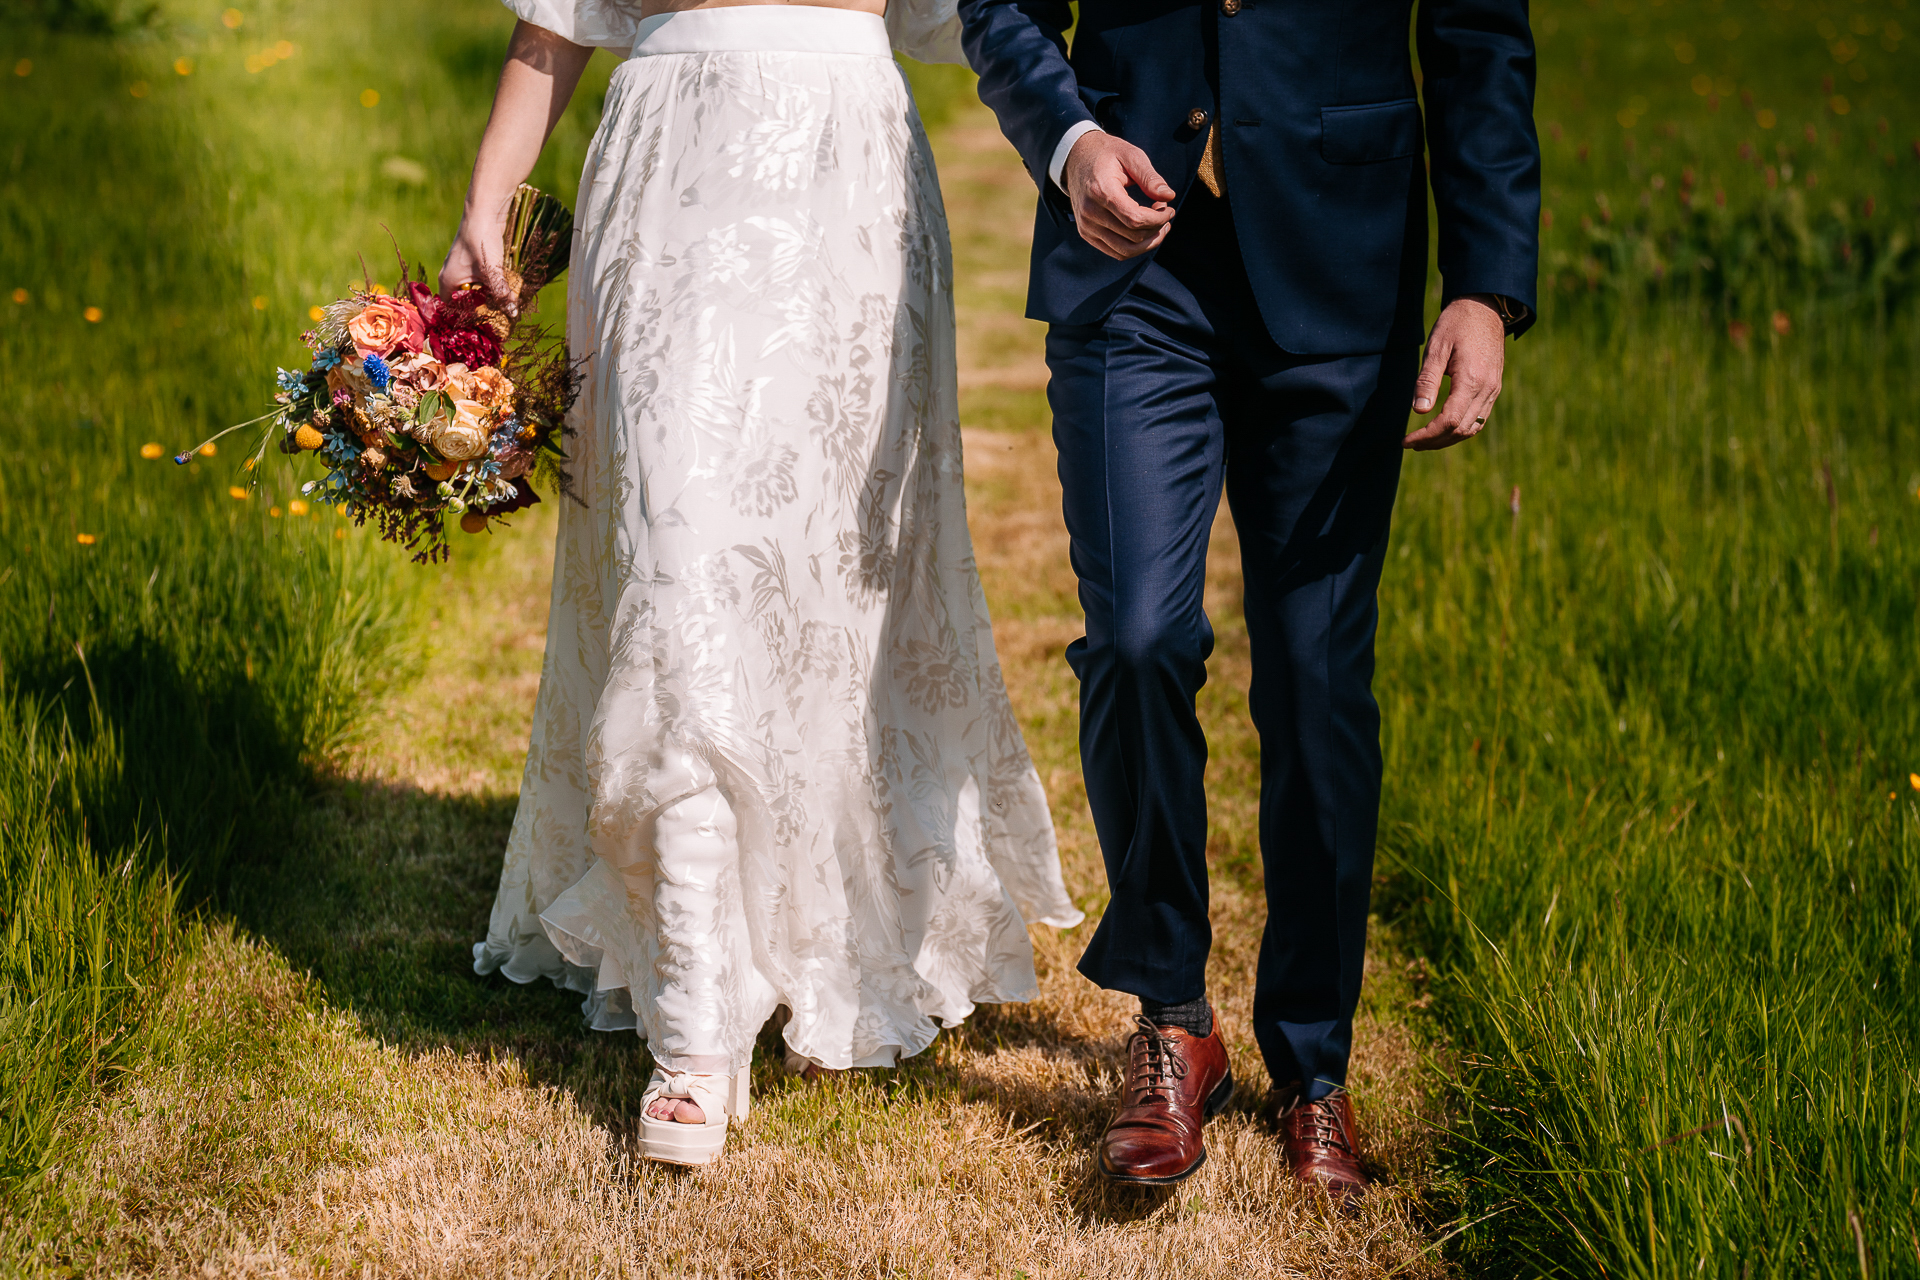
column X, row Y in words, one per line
column 773, row 764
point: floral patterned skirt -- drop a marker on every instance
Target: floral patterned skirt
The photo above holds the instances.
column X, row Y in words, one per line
column 764, row 582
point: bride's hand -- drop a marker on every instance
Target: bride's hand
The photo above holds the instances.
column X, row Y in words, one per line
column 473, row 251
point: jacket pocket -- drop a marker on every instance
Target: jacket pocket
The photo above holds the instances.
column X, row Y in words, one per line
column 1370, row 134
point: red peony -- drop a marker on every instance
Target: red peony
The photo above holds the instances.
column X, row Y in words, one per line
column 458, row 335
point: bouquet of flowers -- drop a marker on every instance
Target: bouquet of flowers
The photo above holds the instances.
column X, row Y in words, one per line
column 424, row 408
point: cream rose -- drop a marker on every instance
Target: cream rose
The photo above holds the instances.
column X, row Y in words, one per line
column 464, row 434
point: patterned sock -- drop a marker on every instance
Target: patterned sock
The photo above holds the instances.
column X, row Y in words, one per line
column 1195, row 1017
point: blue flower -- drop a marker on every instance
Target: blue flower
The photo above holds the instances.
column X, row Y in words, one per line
column 377, row 372
column 340, row 448
column 291, row 379
column 325, row 360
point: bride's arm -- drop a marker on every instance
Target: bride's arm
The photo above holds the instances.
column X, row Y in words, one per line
column 535, row 86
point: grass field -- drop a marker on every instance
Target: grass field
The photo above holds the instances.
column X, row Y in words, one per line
column 1643, row 999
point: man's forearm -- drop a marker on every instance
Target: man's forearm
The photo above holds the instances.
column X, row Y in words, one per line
column 1018, row 47
column 1477, row 67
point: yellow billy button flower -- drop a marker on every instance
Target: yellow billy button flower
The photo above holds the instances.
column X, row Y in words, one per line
column 1913, row 780
column 307, row 436
column 238, row 493
column 85, row 539
column 152, row 450
column 208, row 449
column 94, row 315
column 297, row 507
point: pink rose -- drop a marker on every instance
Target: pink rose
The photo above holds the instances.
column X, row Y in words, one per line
column 386, row 326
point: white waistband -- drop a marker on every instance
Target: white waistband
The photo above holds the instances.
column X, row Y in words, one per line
column 764, row 28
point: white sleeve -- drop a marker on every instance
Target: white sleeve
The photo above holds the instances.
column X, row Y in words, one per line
column 926, row 30
column 602, row 24
column 1073, row 134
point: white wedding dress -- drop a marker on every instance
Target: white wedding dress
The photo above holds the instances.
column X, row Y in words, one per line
column 773, row 760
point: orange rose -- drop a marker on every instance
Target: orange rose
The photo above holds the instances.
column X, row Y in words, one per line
column 490, row 387
column 387, row 325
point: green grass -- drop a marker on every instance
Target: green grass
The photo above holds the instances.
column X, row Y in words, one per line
column 1648, row 663
column 175, row 663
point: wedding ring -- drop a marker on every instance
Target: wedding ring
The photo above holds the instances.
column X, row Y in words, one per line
column 1479, row 422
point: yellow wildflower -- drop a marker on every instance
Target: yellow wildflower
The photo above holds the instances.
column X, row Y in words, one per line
column 152, row 450
column 93, row 315
column 84, row 539
column 237, row 492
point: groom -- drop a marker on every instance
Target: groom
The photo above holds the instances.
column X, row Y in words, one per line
column 1231, row 254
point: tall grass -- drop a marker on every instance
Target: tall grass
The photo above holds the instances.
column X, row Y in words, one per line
column 174, row 662
column 1650, row 671
column 1652, row 684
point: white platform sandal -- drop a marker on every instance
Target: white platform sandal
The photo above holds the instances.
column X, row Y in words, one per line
column 718, row 1097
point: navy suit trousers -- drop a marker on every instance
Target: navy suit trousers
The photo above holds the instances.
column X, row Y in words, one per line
column 1179, row 391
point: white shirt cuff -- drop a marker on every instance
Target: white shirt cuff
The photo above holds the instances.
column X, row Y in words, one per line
column 1074, row 133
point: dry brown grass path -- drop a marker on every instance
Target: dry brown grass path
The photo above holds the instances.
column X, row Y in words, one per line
column 313, row 1143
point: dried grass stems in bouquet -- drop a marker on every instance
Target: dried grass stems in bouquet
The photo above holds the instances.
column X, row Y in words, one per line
column 424, row 408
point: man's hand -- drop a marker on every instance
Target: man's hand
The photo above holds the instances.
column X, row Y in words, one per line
column 1097, row 174
column 1469, row 345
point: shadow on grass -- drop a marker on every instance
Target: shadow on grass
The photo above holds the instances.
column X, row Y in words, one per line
column 379, row 891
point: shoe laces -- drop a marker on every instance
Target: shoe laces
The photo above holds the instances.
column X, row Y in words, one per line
column 1156, row 1059
column 1320, row 1123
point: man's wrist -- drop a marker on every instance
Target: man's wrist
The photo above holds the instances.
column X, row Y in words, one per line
column 1057, row 167
column 1513, row 313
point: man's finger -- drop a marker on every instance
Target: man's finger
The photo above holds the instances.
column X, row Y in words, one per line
column 1120, row 248
column 1111, row 199
column 1426, row 388
column 1142, row 174
column 1103, row 220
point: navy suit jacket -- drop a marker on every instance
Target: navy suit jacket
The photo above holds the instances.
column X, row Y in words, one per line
column 1321, row 140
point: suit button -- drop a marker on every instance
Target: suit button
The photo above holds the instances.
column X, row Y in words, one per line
column 1196, row 119
column 1229, row 7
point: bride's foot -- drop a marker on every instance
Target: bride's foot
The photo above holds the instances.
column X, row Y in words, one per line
column 684, row 1115
column 678, row 1110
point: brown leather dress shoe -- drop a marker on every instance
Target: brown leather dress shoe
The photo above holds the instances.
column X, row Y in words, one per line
column 1318, row 1140
column 1176, row 1082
